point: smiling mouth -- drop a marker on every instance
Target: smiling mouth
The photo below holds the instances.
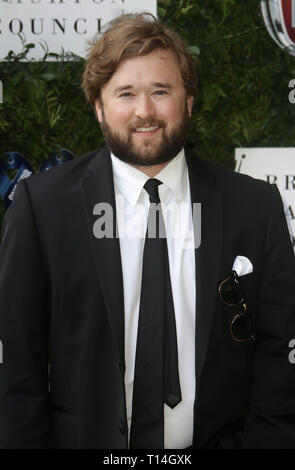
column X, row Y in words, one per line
column 144, row 130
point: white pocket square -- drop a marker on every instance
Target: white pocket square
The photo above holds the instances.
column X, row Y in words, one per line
column 242, row 266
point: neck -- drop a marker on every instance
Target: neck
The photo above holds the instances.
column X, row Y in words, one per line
column 152, row 170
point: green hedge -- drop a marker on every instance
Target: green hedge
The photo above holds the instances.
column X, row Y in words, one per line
column 243, row 98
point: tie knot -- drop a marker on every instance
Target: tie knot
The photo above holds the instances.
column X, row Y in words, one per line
column 151, row 187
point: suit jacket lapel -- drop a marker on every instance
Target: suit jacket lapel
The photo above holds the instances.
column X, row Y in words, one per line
column 205, row 190
column 98, row 187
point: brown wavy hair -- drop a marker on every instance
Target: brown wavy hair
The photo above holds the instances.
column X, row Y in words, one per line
column 129, row 36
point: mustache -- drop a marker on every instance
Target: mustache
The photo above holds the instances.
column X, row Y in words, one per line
column 148, row 123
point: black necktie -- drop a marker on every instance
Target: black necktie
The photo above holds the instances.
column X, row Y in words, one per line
column 156, row 379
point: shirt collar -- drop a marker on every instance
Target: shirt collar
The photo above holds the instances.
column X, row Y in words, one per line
column 130, row 180
column 173, row 175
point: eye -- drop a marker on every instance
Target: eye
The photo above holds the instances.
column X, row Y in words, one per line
column 125, row 95
column 161, row 92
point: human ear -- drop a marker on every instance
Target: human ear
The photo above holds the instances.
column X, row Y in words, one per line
column 98, row 109
column 190, row 102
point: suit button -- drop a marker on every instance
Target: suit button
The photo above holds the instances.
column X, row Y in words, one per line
column 119, row 366
column 122, row 427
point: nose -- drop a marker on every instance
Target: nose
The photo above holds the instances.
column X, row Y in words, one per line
column 145, row 108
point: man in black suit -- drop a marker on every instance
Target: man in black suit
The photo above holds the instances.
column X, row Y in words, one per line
column 79, row 279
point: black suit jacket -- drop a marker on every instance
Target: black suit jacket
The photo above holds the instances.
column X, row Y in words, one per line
column 61, row 300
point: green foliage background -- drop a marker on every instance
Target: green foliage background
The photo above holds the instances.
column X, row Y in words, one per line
column 243, row 97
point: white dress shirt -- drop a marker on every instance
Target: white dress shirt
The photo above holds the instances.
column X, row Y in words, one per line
column 132, row 205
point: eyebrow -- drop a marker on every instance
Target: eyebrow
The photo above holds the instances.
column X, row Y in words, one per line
column 120, row 89
column 162, row 85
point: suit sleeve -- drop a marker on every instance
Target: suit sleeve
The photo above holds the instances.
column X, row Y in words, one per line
column 24, row 325
column 270, row 421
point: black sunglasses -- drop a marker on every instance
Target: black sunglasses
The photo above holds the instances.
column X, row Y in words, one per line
column 231, row 294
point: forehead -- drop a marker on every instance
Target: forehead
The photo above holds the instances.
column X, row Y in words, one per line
column 158, row 66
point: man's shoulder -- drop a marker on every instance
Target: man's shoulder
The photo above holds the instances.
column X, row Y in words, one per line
column 230, row 180
column 67, row 173
column 238, row 191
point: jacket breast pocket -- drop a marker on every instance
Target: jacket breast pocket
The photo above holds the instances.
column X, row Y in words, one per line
column 250, row 289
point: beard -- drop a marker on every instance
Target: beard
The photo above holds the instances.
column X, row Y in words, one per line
column 125, row 149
